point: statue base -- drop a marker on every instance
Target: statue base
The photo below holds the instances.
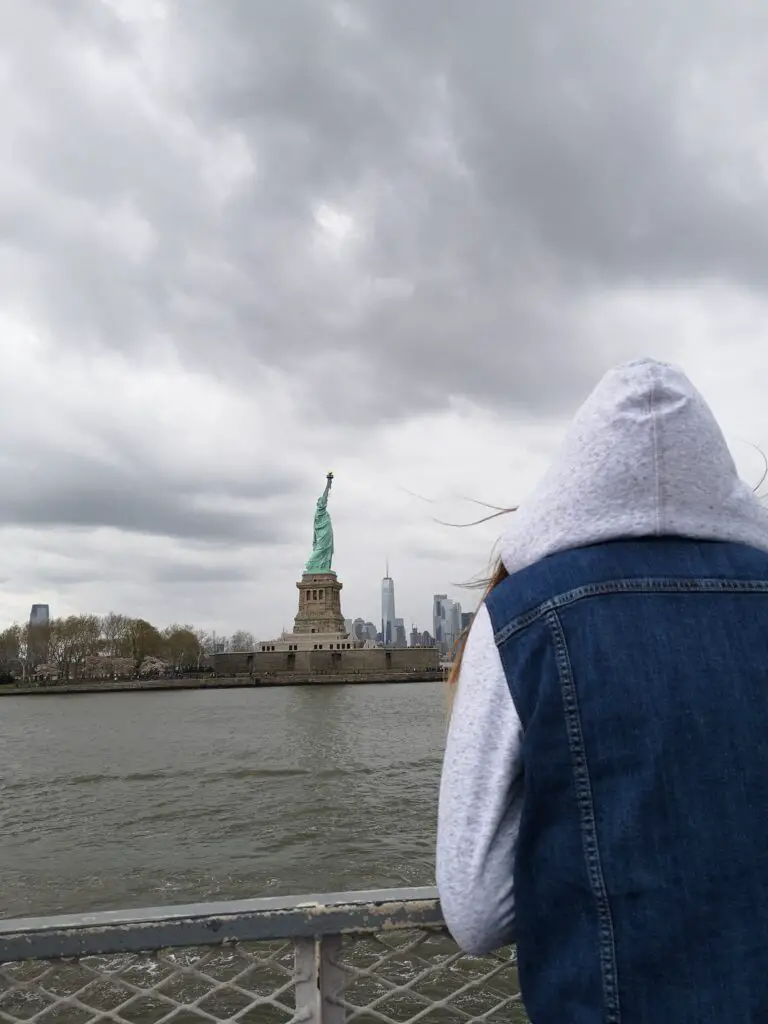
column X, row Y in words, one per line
column 319, row 604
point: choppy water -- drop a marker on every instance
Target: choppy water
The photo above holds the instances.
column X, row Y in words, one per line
column 131, row 799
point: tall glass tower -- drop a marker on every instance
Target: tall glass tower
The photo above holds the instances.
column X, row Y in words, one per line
column 388, row 634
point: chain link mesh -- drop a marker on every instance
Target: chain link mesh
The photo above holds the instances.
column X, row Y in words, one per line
column 248, row 982
column 410, row 977
column 397, row 978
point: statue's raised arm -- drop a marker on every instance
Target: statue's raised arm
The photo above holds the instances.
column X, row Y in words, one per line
column 329, row 481
column 322, row 536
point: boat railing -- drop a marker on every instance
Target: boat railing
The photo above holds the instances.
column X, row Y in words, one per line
column 379, row 956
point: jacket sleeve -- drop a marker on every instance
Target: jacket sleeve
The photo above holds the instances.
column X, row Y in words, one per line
column 480, row 800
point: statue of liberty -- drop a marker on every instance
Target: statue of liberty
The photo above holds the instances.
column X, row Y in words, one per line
column 322, row 536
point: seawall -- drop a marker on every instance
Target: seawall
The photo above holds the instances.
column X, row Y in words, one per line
column 227, row 683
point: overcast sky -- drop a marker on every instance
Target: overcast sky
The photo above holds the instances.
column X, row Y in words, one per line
column 243, row 242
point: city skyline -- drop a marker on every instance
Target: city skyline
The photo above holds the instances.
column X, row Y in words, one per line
column 403, row 633
column 393, row 632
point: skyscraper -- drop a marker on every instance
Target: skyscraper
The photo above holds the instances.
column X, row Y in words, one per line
column 40, row 615
column 457, row 615
column 438, row 618
column 400, row 638
column 388, row 610
column 39, row 634
column 446, row 622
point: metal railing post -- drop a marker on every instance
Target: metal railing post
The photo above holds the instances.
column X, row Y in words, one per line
column 319, row 981
column 331, row 980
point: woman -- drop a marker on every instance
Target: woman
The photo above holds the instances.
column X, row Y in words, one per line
column 604, row 799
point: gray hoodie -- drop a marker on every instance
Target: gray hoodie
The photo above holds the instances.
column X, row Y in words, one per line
column 644, row 457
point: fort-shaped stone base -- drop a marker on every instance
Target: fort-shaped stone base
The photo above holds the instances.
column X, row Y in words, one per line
column 319, row 604
column 342, row 662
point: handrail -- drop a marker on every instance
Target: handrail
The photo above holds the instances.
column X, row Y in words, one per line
column 376, row 956
column 253, row 920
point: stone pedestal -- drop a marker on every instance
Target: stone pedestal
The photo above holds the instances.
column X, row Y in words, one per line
column 319, row 604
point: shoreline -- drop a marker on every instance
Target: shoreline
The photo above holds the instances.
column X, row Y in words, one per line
column 228, row 683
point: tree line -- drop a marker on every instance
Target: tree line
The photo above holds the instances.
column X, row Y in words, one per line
column 108, row 647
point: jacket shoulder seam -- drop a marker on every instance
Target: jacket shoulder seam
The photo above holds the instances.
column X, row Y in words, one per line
column 646, row 585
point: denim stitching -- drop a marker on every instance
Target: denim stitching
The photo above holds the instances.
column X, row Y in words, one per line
column 607, row 943
column 651, row 585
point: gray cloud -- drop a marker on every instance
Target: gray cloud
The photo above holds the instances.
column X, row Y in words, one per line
column 90, row 493
column 500, row 163
column 332, row 218
column 184, row 572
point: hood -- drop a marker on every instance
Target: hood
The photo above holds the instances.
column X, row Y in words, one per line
column 644, row 457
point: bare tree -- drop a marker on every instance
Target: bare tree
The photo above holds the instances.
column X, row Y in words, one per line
column 144, row 641
column 72, row 641
column 114, row 632
column 182, row 647
column 10, row 652
column 91, row 646
column 242, row 642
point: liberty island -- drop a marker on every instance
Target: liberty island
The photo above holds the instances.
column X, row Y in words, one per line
column 320, row 645
column 319, row 649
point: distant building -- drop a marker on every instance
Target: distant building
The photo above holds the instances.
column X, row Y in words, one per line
column 400, row 638
column 388, row 610
column 438, row 617
column 372, row 632
column 39, row 634
column 446, row 622
column 421, row 639
column 40, row 615
column 456, row 614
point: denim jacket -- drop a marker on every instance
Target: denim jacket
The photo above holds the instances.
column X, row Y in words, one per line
column 639, row 671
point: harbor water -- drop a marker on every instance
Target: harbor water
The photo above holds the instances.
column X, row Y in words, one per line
column 134, row 799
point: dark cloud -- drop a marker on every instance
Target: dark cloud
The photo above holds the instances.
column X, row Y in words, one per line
column 501, row 163
column 241, row 238
column 89, row 493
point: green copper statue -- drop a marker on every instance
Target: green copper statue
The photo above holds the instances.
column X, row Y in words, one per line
column 322, row 537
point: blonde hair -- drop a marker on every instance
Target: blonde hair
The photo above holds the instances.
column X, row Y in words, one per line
column 487, row 583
